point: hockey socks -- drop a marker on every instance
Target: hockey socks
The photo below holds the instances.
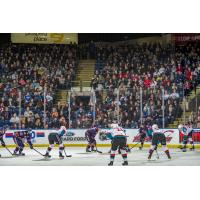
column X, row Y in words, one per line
column 61, row 148
column 192, row 144
column 16, row 151
column 124, row 156
column 168, row 154
column 112, row 157
column 20, row 151
column 47, row 152
column 150, row 153
column 142, row 144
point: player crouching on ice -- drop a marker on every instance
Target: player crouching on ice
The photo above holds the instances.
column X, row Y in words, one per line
column 56, row 138
column 20, row 137
column 187, row 132
column 158, row 137
column 119, row 138
column 90, row 135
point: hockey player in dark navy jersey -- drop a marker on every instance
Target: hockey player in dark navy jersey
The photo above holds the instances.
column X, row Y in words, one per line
column 143, row 135
column 90, row 135
column 2, row 132
column 20, row 137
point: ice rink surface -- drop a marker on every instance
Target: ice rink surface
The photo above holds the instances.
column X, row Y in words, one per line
column 80, row 158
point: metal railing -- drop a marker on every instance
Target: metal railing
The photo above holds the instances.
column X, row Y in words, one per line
column 130, row 107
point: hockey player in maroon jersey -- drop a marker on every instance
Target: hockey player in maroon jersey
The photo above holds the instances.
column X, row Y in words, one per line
column 90, row 135
column 143, row 134
column 2, row 132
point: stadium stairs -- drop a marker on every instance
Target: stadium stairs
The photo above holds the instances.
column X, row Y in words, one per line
column 62, row 97
column 85, row 73
column 190, row 101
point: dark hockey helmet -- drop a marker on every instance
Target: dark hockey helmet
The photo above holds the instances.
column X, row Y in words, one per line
column 96, row 127
column 5, row 127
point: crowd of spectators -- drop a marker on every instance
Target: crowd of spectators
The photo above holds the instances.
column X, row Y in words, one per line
column 154, row 68
column 32, row 70
column 131, row 82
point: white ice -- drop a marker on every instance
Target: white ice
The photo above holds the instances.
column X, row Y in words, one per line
column 80, row 158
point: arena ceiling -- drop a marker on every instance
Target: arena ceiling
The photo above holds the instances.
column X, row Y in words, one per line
column 96, row 37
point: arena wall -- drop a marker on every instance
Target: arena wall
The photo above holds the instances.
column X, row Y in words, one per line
column 76, row 137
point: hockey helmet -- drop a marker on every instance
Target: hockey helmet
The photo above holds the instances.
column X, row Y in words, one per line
column 180, row 126
column 155, row 127
column 114, row 126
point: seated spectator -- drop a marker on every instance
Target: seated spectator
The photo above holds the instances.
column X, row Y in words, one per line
column 15, row 119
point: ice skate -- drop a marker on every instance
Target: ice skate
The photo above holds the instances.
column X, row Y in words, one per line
column 110, row 163
column 61, row 156
column 46, row 155
column 125, row 163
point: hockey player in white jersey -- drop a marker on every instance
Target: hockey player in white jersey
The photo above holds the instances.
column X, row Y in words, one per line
column 119, row 138
column 158, row 137
column 187, row 132
column 56, row 138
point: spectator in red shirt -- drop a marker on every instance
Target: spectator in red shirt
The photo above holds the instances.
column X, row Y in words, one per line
column 179, row 68
column 188, row 74
column 147, row 82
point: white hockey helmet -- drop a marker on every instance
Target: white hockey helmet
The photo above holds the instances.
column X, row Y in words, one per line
column 180, row 126
column 155, row 127
column 114, row 125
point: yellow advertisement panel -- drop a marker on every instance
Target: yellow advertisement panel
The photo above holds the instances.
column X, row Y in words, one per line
column 45, row 38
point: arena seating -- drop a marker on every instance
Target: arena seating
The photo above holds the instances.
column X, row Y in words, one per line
column 28, row 69
column 124, row 68
column 151, row 67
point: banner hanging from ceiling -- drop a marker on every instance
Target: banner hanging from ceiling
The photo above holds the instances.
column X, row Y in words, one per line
column 44, row 38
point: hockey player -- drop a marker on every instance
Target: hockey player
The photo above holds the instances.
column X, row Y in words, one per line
column 158, row 137
column 119, row 138
column 115, row 125
column 20, row 137
column 143, row 134
column 56, row 138
column 187, row 132
column 2, row 132
column 90, row 135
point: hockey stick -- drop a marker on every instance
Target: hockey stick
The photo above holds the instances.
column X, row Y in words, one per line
column 97, row 150
column 134, row 145
column 66, row 153
column 8, row 150
column 38, row 152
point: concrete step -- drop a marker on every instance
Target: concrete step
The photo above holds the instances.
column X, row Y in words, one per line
column 63, row 91
column 86, row 66
column 85, row 85
column 83, row 78
column 86, row 69
column 85, row 74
